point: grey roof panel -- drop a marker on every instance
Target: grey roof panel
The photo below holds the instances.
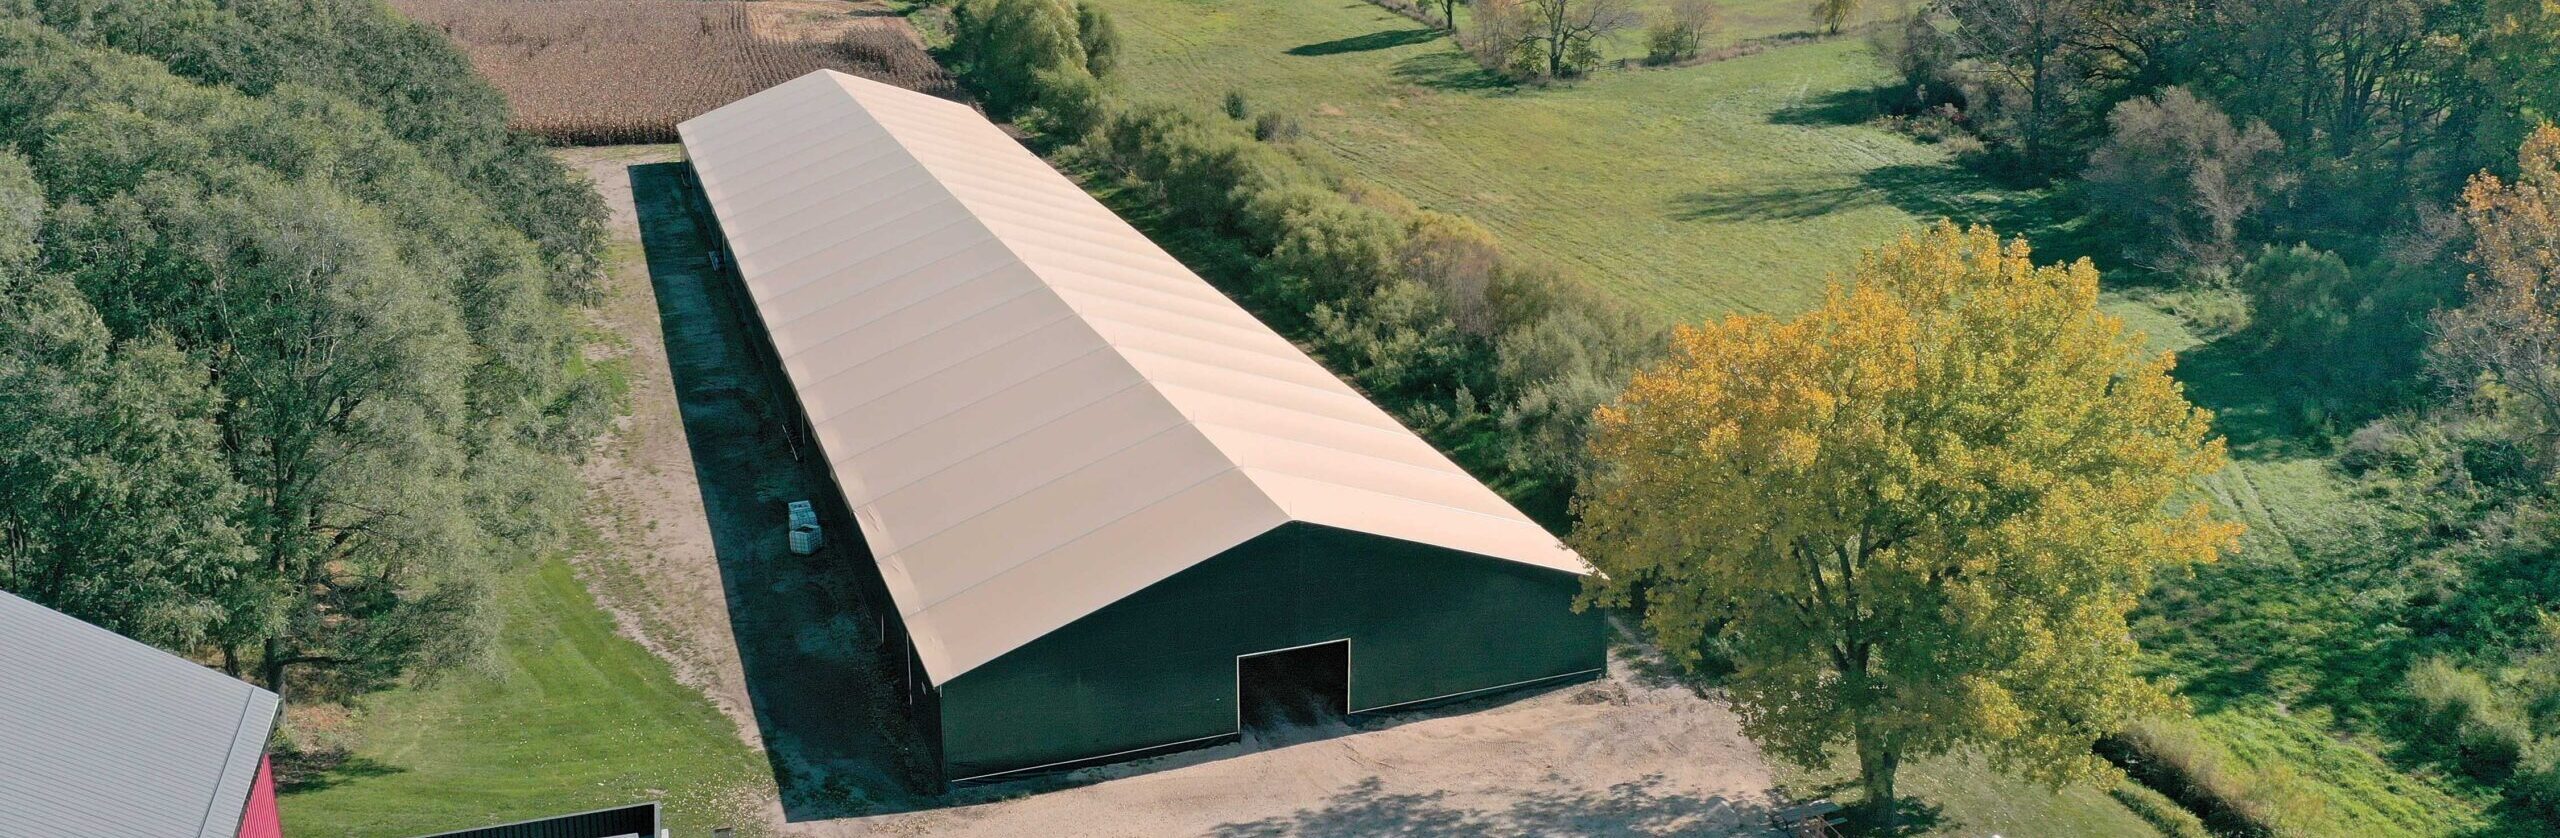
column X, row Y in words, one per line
column 101, row 735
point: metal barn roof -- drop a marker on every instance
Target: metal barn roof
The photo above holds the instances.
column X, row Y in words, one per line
column 1032, row 409
column 104, row 735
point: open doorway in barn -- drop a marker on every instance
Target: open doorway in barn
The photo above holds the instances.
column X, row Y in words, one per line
column 1295, row 694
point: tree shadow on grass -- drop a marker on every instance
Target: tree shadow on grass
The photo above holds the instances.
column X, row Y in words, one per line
column 1913, row 816
column 299, row 773
column 1449, row 70
column 1790, row 202
column 1640, row 807
column 2258, row 408
column 1851, row 106
column 1929, row 191
column 1382, row 39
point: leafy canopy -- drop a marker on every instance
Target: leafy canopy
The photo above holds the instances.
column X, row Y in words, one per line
column 2505, row 343
column 1916, row 515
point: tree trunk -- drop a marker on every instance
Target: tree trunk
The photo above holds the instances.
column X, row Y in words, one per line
column 272, row 666
column 1877, row 760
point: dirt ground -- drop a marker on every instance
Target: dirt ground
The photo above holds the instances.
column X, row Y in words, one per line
column 690, row 571
column 657, row 574
column 1620, row 756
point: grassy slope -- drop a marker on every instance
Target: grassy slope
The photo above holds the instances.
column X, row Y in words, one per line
column 2271, row 643
column 1732, row 186
column 573, row 717
column 1737, row 186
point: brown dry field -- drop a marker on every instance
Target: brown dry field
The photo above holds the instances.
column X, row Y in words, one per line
column 598, row 72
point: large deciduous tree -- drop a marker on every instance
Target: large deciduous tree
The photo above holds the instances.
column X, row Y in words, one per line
column 1835, row 15
column 2030, row 54
column 1917, row 514
column 2184, row 179
column 303, row 382
column 2504, row 345
column 1563, row 36
column 1003, row 46
column 116, row 506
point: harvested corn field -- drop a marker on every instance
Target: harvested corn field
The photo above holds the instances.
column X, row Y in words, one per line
column 603, row 72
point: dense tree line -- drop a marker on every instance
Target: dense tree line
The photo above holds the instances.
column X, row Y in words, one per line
column 287, row 367
column 2209, row 141
column 2366, row 179
column 1038, row 62
column 2331, row 122
column 421, row 87
column 1499, row 361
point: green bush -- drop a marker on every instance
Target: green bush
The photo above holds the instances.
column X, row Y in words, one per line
column 2355, row 336
column 1099, row 37
column 2157, row 809
column 1334, row 251
column 2536, row 784
column 2491, row 742
column 1422, row 310
column 1276, row 127
column 2172, row 758
column 1071, row 105
column 1669, row 42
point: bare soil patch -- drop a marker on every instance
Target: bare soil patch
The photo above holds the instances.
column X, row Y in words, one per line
column 654, row 570
column 1625, row 755
column 595, row 72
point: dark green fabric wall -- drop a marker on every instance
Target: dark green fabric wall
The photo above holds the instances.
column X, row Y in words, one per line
column 1159, row 666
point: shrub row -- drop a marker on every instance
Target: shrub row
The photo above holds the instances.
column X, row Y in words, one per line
column 1499, row 360
column 2174, row 760
column 2158, row 810
column 2491, row 731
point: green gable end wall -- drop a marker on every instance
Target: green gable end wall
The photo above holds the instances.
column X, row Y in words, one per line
column 1158, row 667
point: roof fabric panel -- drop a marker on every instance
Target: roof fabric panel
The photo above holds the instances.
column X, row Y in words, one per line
column 1033, row 410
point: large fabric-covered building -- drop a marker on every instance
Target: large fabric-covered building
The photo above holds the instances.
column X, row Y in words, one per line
column 1096, row 489
column 102, row 735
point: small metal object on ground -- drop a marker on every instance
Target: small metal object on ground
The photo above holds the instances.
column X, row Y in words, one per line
column 1816, row 819
column 807, row 539
column 805, row 535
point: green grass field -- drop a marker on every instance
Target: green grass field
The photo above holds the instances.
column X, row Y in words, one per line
column 1961, row 795
column 1738, row 21
column 1733, row 186
column 1741, row 185
column 572, row 717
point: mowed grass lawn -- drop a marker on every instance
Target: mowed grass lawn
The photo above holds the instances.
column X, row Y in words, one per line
column 572, row 717
column 1733, row 186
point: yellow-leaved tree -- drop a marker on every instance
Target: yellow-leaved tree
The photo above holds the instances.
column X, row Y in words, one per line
column 1916, row 515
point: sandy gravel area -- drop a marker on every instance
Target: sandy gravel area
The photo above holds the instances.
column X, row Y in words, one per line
column 1622, row 756
column 656, row 572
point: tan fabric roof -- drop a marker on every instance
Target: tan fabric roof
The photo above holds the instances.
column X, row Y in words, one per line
column 1033, row 410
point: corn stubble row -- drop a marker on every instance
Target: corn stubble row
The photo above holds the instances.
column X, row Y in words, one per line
column 601, row 72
